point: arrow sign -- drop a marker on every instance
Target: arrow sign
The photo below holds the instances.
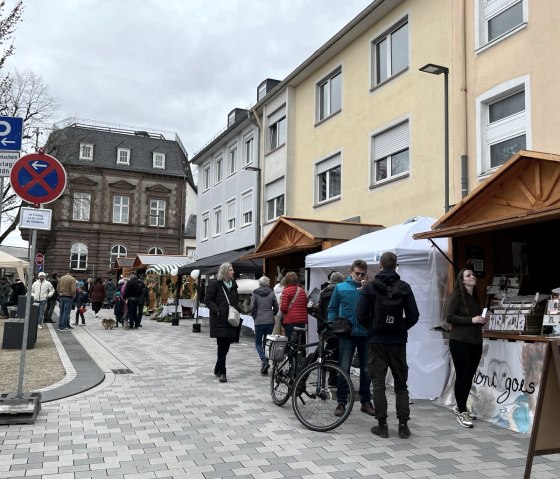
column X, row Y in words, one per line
column 36, row 165
column 11, row 129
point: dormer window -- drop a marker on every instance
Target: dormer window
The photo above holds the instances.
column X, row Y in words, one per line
column 231, row 118
column 123, row 156
column 86, row 151
column 159, row 160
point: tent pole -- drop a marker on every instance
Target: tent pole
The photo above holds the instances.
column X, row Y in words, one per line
column 444, row 255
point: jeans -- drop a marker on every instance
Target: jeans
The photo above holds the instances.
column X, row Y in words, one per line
column 65, row 304
column 49, row 308
column 42, row 305
column 223, row 349
column 381, row 358
column 5, row 305
column 261, row 331
column 465, row 359
column 347, row 345
column 132, row 308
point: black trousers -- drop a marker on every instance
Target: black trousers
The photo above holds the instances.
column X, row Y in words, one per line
column 465, row 359
column 223, row 349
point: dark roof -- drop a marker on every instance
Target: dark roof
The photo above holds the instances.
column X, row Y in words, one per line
column 210, row 264
column 64, row 144
column 190, row 229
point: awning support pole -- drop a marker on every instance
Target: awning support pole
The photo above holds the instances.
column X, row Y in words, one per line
column 444, row 255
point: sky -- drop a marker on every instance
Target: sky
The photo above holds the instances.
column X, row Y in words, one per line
column 168, row 65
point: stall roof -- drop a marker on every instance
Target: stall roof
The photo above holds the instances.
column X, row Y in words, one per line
column 296, row 234
column 524, row 190
column 163, row 269
column 146, row 260
column 211, row 264
column 123, row 262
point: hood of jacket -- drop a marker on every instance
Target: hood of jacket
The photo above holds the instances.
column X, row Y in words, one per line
column 386, row 278
column 263, row 291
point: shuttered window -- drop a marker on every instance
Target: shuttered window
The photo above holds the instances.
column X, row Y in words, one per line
column 391, row 153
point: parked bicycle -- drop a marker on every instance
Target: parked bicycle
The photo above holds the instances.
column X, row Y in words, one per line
column 309, row 381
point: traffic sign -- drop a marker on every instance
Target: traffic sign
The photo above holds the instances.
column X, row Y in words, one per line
column 11, row 130
column 39, row 259
column 7, row 161
column 38, row 178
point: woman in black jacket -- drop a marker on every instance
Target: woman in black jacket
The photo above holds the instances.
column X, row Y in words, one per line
column 218, row 304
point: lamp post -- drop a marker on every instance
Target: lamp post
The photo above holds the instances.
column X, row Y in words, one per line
column 258, row 215
column 438, row 70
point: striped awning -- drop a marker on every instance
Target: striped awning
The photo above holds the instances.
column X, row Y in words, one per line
column 163, row 269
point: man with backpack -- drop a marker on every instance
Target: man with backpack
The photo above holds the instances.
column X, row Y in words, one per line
column 388, row 309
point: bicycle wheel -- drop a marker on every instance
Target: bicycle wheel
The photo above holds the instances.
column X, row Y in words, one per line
column 314, row 401
column 280, row 382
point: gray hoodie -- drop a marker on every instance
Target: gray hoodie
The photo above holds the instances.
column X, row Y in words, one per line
column 264, row 305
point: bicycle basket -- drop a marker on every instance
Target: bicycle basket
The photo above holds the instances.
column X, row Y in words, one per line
column 275, row 347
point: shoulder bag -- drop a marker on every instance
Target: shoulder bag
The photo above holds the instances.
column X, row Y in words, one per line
column 234, row 316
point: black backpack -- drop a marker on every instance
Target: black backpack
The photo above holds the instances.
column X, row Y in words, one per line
column 388, row 314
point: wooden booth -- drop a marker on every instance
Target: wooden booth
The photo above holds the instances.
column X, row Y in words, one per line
column 505, row 230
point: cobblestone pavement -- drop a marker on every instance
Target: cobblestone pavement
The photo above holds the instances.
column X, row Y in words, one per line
column 171, row 418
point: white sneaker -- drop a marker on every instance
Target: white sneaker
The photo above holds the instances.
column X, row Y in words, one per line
column 471, row 415
column 40, row 326
column 463, row 420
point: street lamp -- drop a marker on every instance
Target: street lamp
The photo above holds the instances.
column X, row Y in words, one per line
column 438, row 70
column 258, row 215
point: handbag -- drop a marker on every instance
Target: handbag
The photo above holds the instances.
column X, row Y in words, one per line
column 341, row 326
column 234, row 316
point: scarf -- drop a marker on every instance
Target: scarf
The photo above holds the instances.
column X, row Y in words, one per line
column 228, row 284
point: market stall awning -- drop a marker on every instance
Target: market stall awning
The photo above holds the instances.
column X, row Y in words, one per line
column 163, row 269
column 210, row 264
column 123, row 262
column 524, row 190
column 143, row 261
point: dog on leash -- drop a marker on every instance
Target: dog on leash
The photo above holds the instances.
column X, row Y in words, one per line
column 108, row 323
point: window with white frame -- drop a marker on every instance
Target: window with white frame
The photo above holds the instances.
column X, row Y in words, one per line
column 86, row 151
column 155, row 250
column 219, row 170
column 78, row 256
column 206, row 177
column 120, row 209
column 247, row 208
column 248, row 143
column 157, row 213
column 498, row 18
column 277, row 129
column 390, row 151
column 117, row 251
column 232, row 159
column 81, row 206
column 158, row 160
column 328, row 179
column 217, row 221
column 205, row 226
column 231, row 213
column 274, row 197
column 123, row 156
column 390, row 52
column 329, row 95
column 504, row 123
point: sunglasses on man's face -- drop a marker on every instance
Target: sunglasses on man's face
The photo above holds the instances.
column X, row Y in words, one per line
column 358, row 273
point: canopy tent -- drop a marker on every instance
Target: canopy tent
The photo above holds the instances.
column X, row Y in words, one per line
column 425, row 269
column 143, row 261
column 210, row 264
column 163, row 269
column 9, row 261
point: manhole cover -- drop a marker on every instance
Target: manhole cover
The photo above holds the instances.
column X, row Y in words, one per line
column 122, row 371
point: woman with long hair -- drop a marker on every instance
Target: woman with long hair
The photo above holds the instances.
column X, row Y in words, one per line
column 97, row 295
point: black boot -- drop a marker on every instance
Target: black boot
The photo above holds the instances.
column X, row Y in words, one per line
column 381, row 430
column 264, row 367
column 404, row 432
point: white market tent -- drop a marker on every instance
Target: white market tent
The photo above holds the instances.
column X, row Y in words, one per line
column 9, row 261
column 425, row 269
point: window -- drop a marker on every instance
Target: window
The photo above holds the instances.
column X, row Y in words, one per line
column 247, row 208
column 391, row 153
column 498, row 18
column 86, row 151
column 117, row 251
column 81, row 207
column 205, row 227
column 277, row 129
column 248, row 151
column 231, row 118
column 390, row 52
column 328, row 179
column 123, row 156
column 261, row 91
column 329, row 95
column 232, row 160
column 158, row 160
column 230, row 212
column 274, row 196
column 155, row 250
column 157, row 213
column 217, row 221
column 503, row 123
column 219, row 169
column 206, row 177
column 78, row 256
column 120, row 209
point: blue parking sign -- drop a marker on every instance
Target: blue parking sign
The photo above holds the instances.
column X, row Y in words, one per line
column 11, row 130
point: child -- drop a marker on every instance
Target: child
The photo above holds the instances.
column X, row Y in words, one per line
column 81, row 301
column 118, row 308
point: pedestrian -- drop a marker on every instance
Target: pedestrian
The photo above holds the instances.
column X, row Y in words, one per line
column 5, row 289
column 133, row 291
column 110, row 289
column 66, row 295
column 465, row 340
column 41, row 291
column 18, row 289
column 142, row 300
column 51, row 302
column 293, row 304
column 118, row 308
column 343, row 303
column 81, row 303
column 220, row 295
column 96, row 293
column 264, row 308
column 278, row 288
column 389, row 310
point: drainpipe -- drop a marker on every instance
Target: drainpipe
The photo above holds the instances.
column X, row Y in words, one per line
column 464, row 175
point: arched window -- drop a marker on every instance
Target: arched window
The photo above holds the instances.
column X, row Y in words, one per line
column 117, row 251
column 78, row 256
column 155, row 250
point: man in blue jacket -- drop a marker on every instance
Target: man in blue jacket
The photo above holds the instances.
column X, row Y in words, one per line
column 343, row 305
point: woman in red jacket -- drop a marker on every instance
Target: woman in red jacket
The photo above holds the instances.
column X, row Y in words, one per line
column 293, row 304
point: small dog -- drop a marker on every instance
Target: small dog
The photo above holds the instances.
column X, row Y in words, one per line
column 108, row 323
